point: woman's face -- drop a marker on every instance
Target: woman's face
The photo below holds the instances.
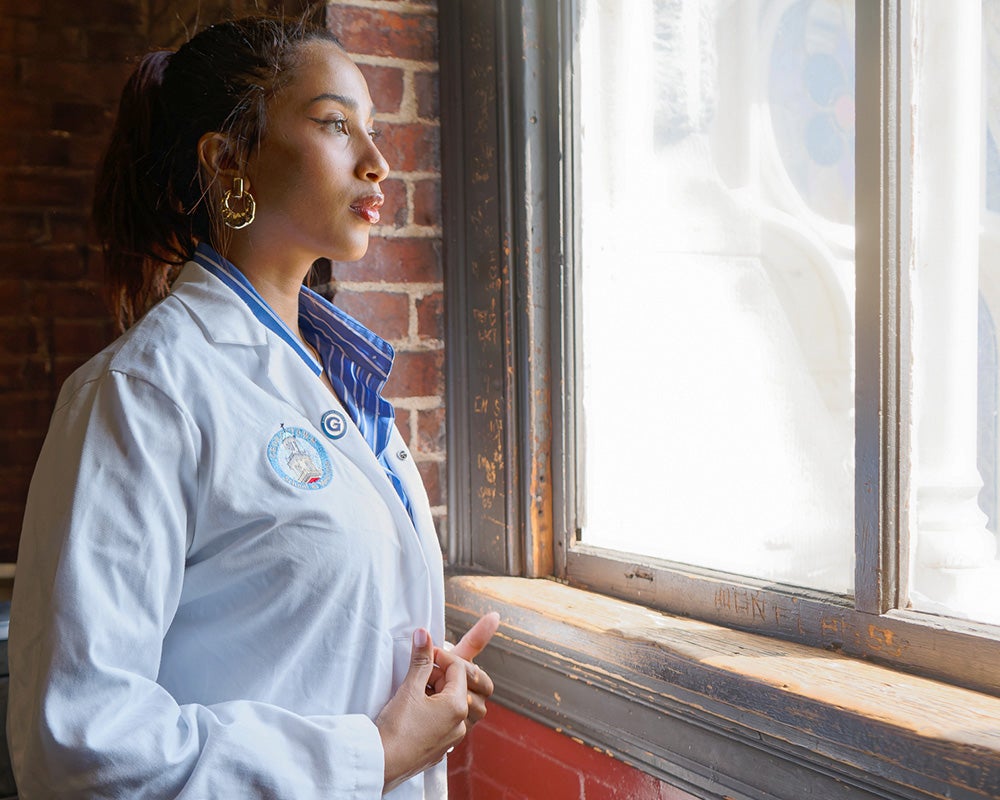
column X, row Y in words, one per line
column 316, row 174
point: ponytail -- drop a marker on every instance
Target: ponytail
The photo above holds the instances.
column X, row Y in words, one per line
column 133, row 214
column 152, row 204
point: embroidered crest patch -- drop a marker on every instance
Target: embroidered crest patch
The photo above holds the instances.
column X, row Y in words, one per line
column 299, row 459
column 333, row 424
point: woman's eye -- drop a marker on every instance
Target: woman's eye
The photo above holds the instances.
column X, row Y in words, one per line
column 375, row 133
column 339, row 124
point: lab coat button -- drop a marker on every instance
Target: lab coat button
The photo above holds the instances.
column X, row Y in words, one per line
column 402, row 455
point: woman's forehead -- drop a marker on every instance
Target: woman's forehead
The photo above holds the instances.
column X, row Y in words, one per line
column 324, row 72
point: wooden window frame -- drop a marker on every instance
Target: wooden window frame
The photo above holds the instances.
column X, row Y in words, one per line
column 507, row 170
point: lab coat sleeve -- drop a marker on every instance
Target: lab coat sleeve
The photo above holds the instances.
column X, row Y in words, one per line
column 99, row 577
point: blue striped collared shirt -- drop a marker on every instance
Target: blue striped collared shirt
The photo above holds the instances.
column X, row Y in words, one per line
column 356, row 360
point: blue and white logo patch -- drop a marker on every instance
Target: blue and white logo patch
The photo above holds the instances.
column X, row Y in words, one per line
column 333, row 424
column 299, row 459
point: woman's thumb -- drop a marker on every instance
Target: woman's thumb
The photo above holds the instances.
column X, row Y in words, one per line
column 421, row 656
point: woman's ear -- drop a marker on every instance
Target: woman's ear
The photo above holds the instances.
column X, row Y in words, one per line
column 215, row 156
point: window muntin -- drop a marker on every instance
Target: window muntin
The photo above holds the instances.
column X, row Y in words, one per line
column 716, row 285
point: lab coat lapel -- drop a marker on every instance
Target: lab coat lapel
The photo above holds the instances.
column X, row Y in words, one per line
column 227, row 321
column 406, row 470
column 408, row 474
column 306, row 392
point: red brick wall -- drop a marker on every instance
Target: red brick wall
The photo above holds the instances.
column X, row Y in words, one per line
column 510, row 757
column 397, row 288
column 62, row 66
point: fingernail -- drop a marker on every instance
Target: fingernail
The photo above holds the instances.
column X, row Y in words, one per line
column 420, row 637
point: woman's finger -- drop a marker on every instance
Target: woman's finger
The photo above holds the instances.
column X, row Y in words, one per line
column 477, row 637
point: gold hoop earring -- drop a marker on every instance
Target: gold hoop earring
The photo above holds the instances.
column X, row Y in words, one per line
column 237, row 219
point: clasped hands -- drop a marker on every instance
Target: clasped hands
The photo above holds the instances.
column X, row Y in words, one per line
column 441, row 697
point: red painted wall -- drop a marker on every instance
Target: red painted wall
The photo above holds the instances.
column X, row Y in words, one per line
column 510, row 757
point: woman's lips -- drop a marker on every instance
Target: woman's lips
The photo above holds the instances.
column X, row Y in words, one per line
column 367, row 207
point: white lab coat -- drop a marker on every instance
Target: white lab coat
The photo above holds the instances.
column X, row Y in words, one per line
column 187, row 623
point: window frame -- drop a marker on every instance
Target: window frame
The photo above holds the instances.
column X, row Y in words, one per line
column 509, row 271
column 511, row 265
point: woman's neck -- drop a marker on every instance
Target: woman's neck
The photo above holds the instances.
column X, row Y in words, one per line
column 277, row 277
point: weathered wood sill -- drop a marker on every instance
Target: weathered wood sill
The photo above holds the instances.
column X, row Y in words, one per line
column 723, row 713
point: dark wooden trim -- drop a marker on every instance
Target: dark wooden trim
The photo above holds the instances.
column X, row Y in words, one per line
column 500, row 165
column 456, row 281
column 483, row 528
column 723, row 713
column 535, row 147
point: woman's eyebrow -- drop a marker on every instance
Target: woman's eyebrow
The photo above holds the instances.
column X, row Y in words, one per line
column 344, row 100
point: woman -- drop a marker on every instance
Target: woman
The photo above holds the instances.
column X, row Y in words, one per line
column 229, row 584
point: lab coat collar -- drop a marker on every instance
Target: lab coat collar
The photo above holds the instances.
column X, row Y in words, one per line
column 206, row 256
column 211, row 303
column 209, row 299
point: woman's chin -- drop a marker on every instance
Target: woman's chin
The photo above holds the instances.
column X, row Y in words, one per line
column 353, row 252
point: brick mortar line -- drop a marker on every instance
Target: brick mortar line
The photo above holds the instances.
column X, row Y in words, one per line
column 390, row 288
column 419, row 403
column 407, row 232
column 405, row 116
column 411, row 232
column 415, row 175
column 405, row 64
column 410, row 190
column 408, row 345
column 413, row 317
column 413, row 431
column 421, row 9
column 430, row 456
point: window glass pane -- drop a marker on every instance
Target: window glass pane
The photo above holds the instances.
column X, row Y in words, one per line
column 716, row 172
column 956, row 306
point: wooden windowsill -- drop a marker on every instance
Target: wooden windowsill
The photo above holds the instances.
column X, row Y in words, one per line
column 726, row 713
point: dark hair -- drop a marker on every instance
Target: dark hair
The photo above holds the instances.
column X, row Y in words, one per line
column 150, row 208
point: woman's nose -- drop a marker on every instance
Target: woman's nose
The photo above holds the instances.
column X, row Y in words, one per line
column 373, row 166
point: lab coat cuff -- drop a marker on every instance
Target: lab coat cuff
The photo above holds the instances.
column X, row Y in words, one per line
column 367, row 756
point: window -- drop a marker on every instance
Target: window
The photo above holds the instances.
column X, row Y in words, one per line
column 726, row 342
column 723, row 307
column 721, row 339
